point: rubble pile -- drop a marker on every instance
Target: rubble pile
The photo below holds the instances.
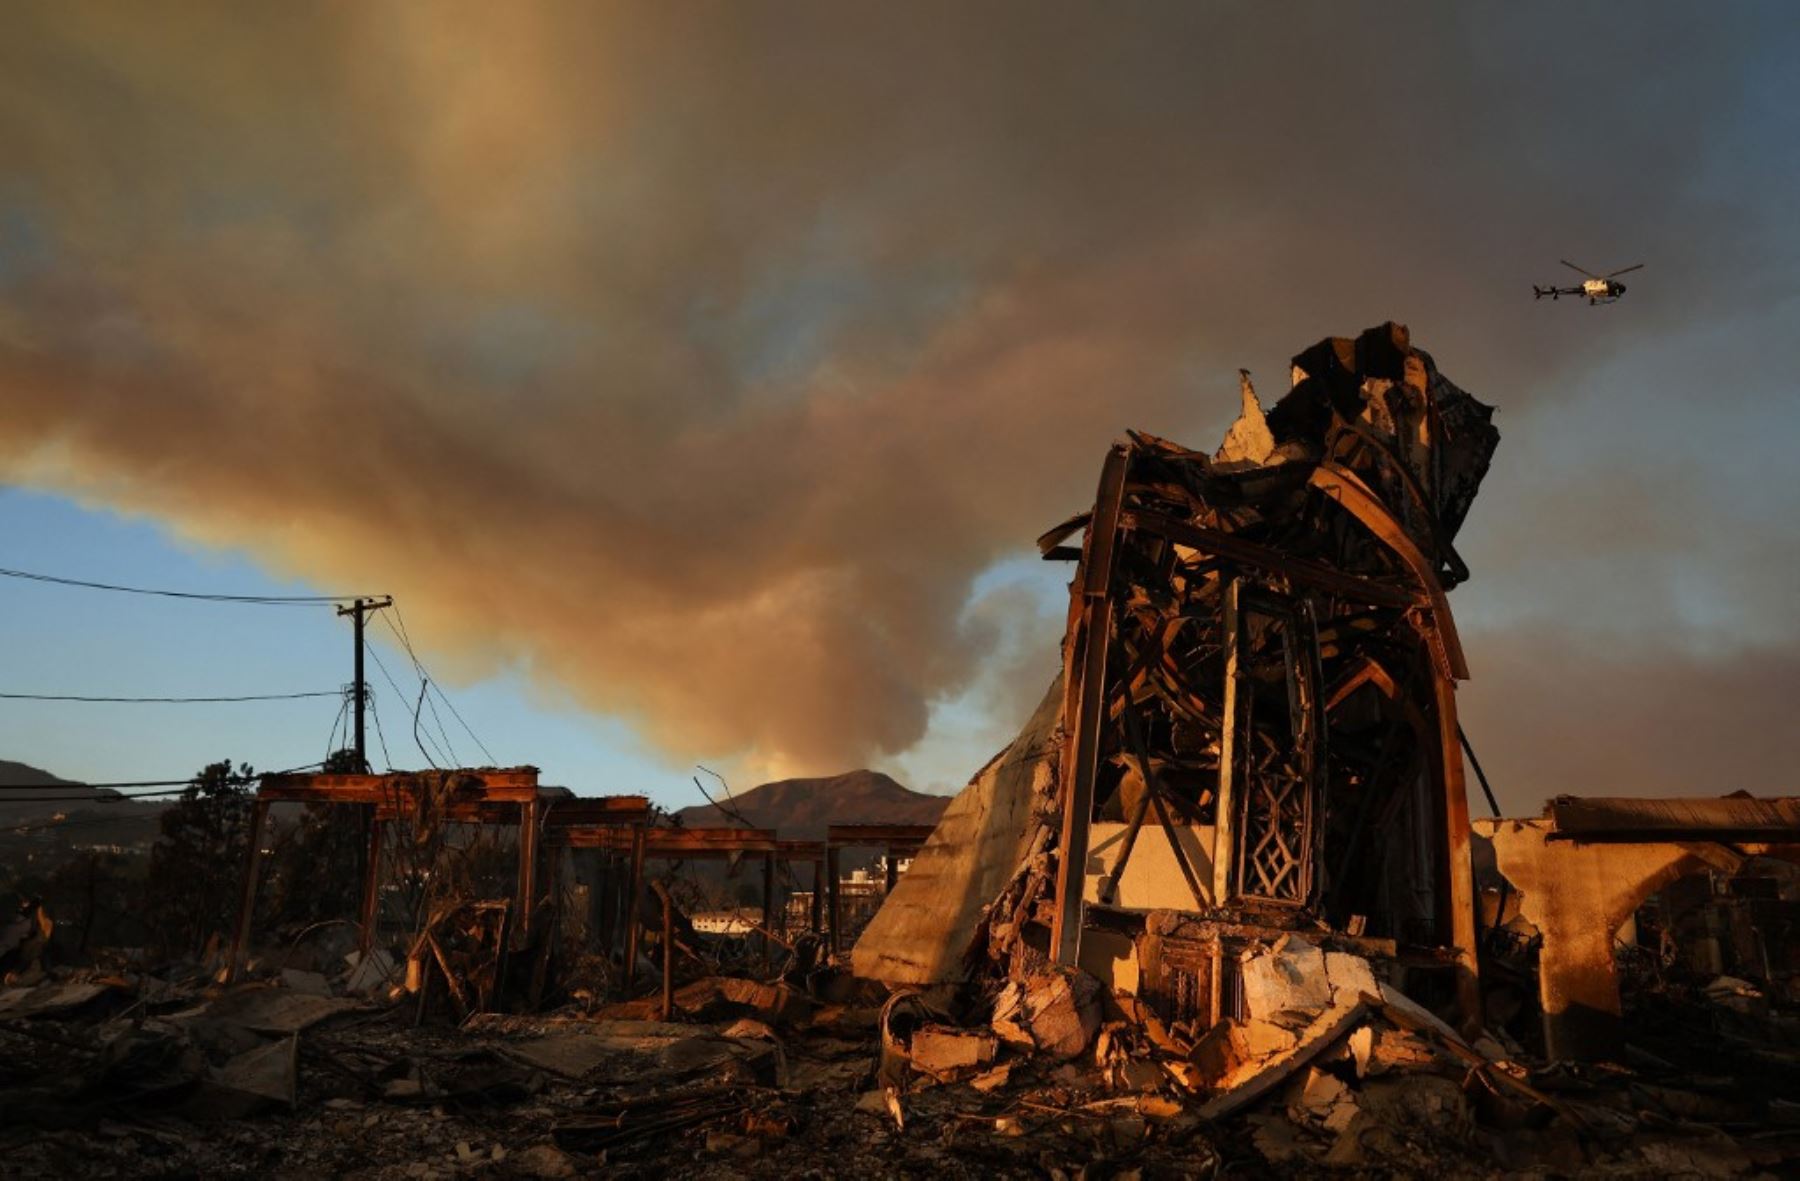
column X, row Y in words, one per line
column 288, row 1074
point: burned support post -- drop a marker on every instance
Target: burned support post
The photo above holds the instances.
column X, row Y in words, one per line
column 634, row 888
column 818, row 897
column 831, row 886
column 604, row 902
column 1459, row 868
column 1084, row 669
column 528, row 842
column 370, row 913
column 668, row 949
column 892, row 865
column 259, row 812
column 359, row 613
column 1224, row 834
column 768, row 907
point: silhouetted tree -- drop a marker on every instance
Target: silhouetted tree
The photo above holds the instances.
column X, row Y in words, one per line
column 196, row 863
column 315, row 873
column 97, row 898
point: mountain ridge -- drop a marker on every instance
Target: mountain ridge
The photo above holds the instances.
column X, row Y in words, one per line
column 801, row 808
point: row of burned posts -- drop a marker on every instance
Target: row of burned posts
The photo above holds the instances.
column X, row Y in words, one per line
column 613, row 835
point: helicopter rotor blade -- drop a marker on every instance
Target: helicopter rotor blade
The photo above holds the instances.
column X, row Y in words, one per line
column 1573, row 267
column 1626, row 271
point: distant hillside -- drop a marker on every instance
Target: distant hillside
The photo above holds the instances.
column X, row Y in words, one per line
column 31, row 793
column 801, row 808
column 19, row 804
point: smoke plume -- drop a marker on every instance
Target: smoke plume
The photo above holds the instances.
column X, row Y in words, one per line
column 698, row 358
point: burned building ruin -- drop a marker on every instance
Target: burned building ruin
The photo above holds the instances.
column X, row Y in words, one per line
column 1260, row 668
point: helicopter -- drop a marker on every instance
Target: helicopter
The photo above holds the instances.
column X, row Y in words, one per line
column 1597, row 288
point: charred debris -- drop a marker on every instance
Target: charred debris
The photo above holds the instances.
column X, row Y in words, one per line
column 1219, row 908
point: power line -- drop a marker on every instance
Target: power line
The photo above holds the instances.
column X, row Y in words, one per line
column 111, row 799
column 188, row 781
column 406, row 640
column 397, row 691
column 198, row 596
column 63, row 825
column 331, row 746
column 425, row 687
column 375, row 712
column 164, row 700
column 64, row 786
column 425, row 695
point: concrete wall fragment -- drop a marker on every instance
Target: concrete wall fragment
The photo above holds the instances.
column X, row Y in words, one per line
column 922, row 933
column 1578, row 895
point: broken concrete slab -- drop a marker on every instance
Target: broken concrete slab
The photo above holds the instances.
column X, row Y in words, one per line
column 720, row 997
column 1221, row 1050
column 1253, row 1080
column 369, row 972
column 567, row 1053
column 311, row 983
column 1286, row 984
column 943, row 1051
column 53, row 998
column 991, row 1080
column 1319, row 1099
column 1351, row 977
column 1055, row 1012
column 277, row 1010
column 255, row 1078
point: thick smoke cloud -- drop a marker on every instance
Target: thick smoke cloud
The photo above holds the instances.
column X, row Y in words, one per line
column 699, row 358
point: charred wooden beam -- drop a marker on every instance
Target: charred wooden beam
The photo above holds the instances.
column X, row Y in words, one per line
column 1084, row 670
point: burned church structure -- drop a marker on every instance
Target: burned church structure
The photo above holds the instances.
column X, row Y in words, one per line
column 1255, row 729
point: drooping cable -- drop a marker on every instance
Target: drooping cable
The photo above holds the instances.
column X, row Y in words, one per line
column 196, row 596
column 85, row 699
column 406, row 641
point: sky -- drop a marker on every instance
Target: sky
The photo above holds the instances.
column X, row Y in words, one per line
column 697, row 376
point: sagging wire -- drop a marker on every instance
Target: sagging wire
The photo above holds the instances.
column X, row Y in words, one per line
column 406, row 642
column 402, row 695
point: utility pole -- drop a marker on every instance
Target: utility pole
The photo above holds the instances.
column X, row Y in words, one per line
column 359, row 611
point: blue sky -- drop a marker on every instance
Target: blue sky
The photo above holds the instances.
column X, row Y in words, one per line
column 63, row 640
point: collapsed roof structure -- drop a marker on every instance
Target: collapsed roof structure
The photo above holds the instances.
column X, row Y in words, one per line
column 1259, row 668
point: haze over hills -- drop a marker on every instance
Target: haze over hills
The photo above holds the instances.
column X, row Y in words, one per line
column 34, row 794
column 29, row 801
column 800, row 809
